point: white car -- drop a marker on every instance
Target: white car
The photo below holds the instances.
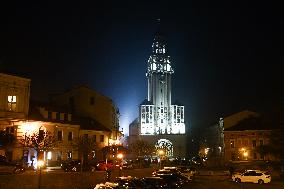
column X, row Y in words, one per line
column 255, row 176
column 107, row 185
column 188, row 174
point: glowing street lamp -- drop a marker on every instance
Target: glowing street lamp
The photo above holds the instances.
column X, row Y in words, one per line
column 120, row 157
column 161, row 153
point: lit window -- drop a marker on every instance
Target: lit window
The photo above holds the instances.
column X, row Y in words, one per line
column 232, row 144
column 12, row 103
column 49, row 155
column 69, row 155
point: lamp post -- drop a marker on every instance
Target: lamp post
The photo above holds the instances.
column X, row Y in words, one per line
column 161, row 153
column 40, row 163
column 120, row 157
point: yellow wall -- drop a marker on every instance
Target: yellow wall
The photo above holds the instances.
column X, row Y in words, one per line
column 18, row 86
column 103, row 110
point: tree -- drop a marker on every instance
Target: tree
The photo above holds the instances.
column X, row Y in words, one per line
column 275, row 146
column 86, row 148
column 40, row 141
column 142, row 148
column 7, row 141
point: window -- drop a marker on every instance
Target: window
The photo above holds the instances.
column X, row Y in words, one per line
column 254, row 156
column 261, row 156
column 95, row 138
column 65, row 117
column 102, row 138
column 49, row 115
column 232, row 144
column 70, row 136
column 12, row 103
column 85, row 138
column 69, row 155
column 59, row 135
column 92, row 101
column 233, row 156
column 59, row 156
column 57, row 116
column 253, row 143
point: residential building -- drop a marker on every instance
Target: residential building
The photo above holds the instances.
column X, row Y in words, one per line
column 82, row 101
column 57, row 125
column 213, row 146
column 14, row 106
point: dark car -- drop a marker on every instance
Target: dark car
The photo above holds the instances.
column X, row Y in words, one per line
column 154, row 182
column 9, row 167
column 174, row 180
column 130, row 182
column 71, row 165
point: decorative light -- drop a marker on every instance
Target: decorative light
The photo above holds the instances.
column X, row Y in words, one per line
column 161, row 152
column 119, row 156
column 40, row 163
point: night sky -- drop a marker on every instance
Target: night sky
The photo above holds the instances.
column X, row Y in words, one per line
column 227, row 56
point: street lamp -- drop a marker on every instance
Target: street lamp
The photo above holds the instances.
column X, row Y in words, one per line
column 120, row 157
column 40, row 164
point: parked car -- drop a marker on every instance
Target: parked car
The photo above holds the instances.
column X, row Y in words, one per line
column 154, row 182
column 102, row 165
column 71, row 165
column 255, row 176
column 9, row 167
column 188, row 174
column 174, row 180
column 130, row 182
column 107, row 185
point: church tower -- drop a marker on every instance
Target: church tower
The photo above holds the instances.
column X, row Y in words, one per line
column 158, row 115
column 160, row 122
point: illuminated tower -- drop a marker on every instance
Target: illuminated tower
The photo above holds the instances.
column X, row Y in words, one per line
column 160, row 122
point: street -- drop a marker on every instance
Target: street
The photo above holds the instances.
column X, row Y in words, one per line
column 76, row 180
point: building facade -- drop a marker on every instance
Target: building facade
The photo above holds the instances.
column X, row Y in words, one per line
column 243, row 145
column 85, row 102
column 14, row 106
column 213, row 143
column 160, row 122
